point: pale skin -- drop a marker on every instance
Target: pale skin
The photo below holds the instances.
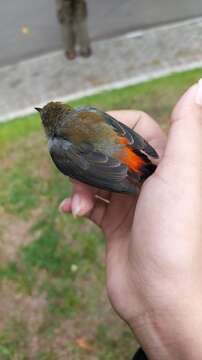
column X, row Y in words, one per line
column 154, row 243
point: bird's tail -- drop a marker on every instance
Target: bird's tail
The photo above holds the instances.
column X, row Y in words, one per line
column 146, row 167
column 147, row 170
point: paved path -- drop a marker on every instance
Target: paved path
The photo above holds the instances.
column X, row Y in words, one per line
column 29, row 27
column 116, row 62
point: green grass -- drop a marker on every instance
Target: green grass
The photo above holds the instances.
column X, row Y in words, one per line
column 15, row 193
column 58, row 260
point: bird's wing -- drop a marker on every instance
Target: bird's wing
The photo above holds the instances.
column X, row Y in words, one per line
column 90, row 166
column 134, row 140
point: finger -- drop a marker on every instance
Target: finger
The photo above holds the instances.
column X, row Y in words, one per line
column 183, row 150
column 144, row 125
column 81, row 202
column 66, row 206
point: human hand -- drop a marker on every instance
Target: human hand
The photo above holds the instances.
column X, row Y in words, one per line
column 153, row 257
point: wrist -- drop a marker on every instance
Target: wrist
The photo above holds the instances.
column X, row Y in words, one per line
column 171, row 334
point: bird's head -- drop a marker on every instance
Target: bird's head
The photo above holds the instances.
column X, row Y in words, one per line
column 52, row 116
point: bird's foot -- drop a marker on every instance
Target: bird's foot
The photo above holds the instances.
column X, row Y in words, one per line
column 102, row 199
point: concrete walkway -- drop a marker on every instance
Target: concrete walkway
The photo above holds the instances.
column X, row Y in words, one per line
column 29, row 28
column 116, row 62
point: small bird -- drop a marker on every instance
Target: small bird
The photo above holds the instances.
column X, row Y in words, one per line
column 91, row 146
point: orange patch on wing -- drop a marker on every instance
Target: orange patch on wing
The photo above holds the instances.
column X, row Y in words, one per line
column 128, row 157
column 123, row 140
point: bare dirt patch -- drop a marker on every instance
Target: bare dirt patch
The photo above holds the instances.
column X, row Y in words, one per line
column 15, row 232
column 17, row 308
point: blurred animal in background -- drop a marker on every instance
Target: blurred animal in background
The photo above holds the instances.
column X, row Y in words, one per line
column 72, row 15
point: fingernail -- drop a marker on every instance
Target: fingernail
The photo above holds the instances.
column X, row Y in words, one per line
column 61, row 207
column 76, row 205
column 198, row 98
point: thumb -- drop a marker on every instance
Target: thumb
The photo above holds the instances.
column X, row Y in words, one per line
column 184, row 146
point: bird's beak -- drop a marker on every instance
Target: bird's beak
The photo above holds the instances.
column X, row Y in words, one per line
column 38, row 109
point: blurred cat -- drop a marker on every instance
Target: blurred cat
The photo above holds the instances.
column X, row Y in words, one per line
column 72, row 15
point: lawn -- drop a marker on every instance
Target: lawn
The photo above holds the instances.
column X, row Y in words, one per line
column 53, row 303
